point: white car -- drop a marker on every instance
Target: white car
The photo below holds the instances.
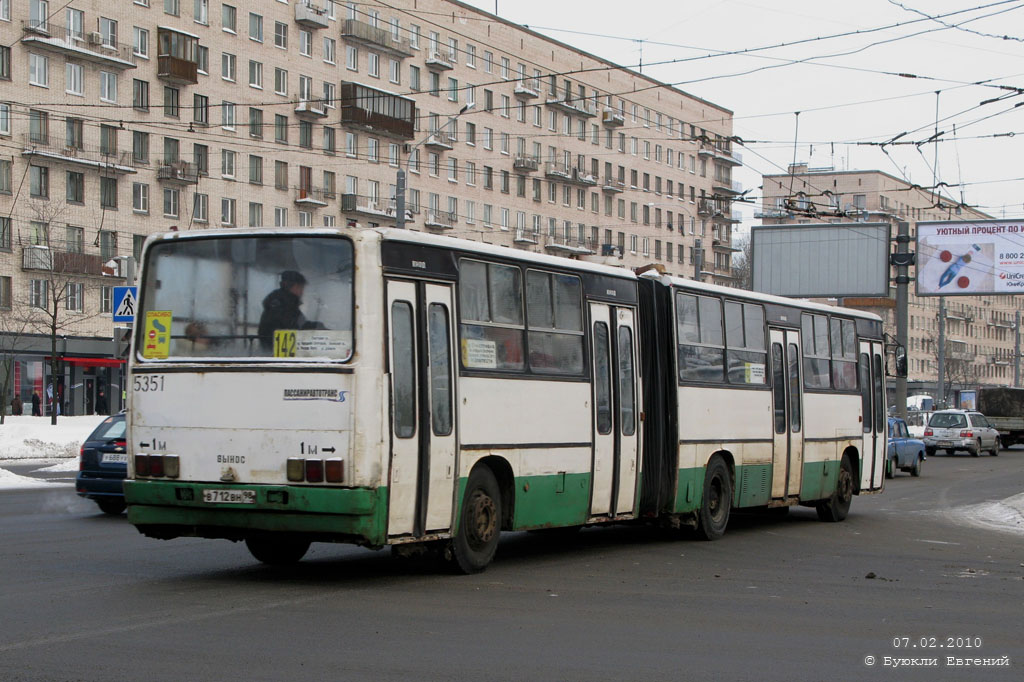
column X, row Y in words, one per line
column 952, row 430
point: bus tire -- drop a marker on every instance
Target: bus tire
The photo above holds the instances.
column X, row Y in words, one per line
column 837, row 506
column 713, row 516
column 277, row 551
column 476, row 541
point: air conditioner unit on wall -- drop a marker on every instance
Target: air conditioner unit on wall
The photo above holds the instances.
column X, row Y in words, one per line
column 95, row 38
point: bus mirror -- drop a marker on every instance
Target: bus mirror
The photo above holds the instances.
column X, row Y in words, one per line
column 899, row 360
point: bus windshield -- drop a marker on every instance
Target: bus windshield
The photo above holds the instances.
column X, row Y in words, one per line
column 243, row 297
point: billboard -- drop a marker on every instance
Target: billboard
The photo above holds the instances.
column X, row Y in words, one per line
column 822, row 260
column 970, row 258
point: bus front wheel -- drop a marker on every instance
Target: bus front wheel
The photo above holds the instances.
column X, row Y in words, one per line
column 714, row 509
column 277, row 551
column 476, row 541
column 836, row 507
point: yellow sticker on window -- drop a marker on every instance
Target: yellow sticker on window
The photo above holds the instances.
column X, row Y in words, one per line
column 284, row 343
column 157, row 342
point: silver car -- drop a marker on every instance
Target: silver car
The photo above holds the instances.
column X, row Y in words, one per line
column 952, row 430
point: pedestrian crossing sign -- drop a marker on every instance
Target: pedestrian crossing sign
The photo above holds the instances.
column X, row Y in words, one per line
column 125, row 301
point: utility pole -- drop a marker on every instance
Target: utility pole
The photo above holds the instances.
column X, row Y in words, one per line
column 1016, row 351
column 902, row 259
column 941, row 397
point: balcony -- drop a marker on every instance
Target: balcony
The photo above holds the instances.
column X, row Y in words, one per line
column 178, row 173
column 773, row 214
column 526, row 162
column 310, row 197
column 354, row 203
column 612, row 118
column 582, row 177
column 1002, row 324
column 440, row 220
column 309, row 15
column 524, row 90
column 96, row 159
column 613, row 185
column 705, row 207
column 311, row 108
column 580, row 107
column 177, row 60
column 440, row 140
column 177, row 71
column 558, row 170
column 720, row 153
column 61, row 262
column 440, row 61
column 89, row 47
column 727, row 187
column 377, row 111
column 357, row 31
column 526, row 237
column 561, row 246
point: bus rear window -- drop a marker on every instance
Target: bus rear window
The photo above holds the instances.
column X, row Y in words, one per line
column 279, row 297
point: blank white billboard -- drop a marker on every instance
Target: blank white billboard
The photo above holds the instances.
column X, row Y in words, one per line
column 968, row 258
column 821, row 260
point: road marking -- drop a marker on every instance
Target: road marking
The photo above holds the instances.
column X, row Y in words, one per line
column 939, row 542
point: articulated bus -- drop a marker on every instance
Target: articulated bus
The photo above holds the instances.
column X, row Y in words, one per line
column 386, row 387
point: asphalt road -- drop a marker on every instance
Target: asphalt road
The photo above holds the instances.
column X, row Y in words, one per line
column 85, row 597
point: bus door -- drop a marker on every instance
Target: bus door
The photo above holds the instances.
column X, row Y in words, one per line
column 421, row 484
column 787, row 410
column 871, row 379
column 615, row 413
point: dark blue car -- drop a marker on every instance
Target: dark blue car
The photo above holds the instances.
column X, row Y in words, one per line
column 103, row 465
column 904, row 452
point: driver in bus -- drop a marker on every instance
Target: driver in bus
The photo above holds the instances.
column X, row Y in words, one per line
column 281, row 309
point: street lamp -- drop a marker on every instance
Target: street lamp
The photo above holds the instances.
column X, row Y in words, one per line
column 400, row 179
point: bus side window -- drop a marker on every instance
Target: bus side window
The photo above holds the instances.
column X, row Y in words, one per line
column 778, row 388
column 403, row 368
column 864, row 370
column 440, row 370
column 627, row 398
column 602, row 379
column 794, row 388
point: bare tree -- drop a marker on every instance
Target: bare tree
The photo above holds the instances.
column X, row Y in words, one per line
column 742, row 262
column 14, row 330
column 55, row 305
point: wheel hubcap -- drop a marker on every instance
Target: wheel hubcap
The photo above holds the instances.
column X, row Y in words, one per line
column 483, row 517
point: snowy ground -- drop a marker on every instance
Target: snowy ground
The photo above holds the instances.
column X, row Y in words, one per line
column 33, row 441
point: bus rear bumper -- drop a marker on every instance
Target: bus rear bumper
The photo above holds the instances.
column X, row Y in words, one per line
column 170, row 509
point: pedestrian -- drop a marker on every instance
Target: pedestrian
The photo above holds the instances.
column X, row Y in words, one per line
column 36, row 404
column 16, row 406
column 101, row 403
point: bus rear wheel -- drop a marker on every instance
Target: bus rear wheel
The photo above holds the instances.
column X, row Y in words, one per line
column 476, row 541
column 836, row 507
column 714, row 509
column 277, row 551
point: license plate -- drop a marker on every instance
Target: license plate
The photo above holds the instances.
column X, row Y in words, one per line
column 230, row 496
column 945, row 444
column 114, row 457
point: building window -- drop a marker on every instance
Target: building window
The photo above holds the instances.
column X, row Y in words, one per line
column 229, row 18
column 281, row 128
column 171, row 199
column 280, row 35
column 37, row 293
column 201, row 208
column 255, row 169
column 108, row 193
column 255, row 74
column 108, row 86
column 172, row 105
column 201, row 109
column 38, row 70
column 280, row 81
column 75, row 187
column 39, row 184
column 74, row 79
column 227, row 212
column 140, row 94
column 255, row 27
column 140, row 197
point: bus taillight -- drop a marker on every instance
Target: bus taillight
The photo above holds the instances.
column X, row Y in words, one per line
column 314, row 470
column 335, row 470
column 142, row 465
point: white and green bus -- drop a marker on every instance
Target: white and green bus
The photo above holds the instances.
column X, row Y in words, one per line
column 386, row 387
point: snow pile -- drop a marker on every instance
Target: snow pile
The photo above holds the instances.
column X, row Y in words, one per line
column 24, row 439
column 12, row 481
column 1006, row 515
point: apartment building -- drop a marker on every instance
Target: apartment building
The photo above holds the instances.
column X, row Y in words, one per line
column 123, row 119
column 981, row 332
